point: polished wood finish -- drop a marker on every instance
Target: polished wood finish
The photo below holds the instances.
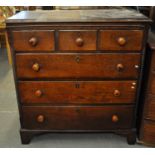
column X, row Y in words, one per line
column 40, row 118
column 77, row 40
column 121, row 40
column 115, row 118
column 78, row 71
column 34, row 40
column 120, row 67
column 77, row 92
column 36, row 67
column 78, row 118
column 78, row 65
column 38, row 93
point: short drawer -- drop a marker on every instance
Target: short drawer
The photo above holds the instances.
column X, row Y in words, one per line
column 77, row 40
column 114, row 40
column 34, row 40
column 77, row 118
column 77, row 92
column 71, row 65
column 150, row 107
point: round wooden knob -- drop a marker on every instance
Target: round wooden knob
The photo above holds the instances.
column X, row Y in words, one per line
column 121, row 41
column 33, row 41
column 120, row 67
column 79, row 42
column 36, row 67
column 117, row 93
column 40, row 118
column 115, row 118
column 38, row 93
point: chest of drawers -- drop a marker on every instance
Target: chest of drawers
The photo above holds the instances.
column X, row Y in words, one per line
column 78, row 71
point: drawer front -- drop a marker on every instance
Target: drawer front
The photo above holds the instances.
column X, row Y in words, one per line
column 77, row 65
column 77, row 118
column 150, row 107
column 130, row 40
column 80, row 92
column 25, row 41
column 148, row 132
column 77, row 40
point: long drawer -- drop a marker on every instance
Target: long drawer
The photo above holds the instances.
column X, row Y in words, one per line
column 80, row 92
column 77, row 65
column 77, row 118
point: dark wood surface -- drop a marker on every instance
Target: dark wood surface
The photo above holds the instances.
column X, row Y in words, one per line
column 78, row 92
column 77, row 40
column 147, row 127
column 150, row 107
column 109, row 40
column 44, row 40
column 148, row 131
column 78, row 65
column 91, row 79
column 109, row 15
column 77, row 118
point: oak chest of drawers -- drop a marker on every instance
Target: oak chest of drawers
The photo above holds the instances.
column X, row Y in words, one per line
column 78, row 71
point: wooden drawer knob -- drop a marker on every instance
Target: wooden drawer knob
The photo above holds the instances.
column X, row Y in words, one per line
column 33, row 41
column 115, row 118
column 117, row 93
column 40, row 118
column 79, row 42
column 120, row 67
column 121, row 41
column 36, row 67
column 38, row 93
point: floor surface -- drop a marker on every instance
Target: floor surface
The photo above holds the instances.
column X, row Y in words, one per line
column 9, row 123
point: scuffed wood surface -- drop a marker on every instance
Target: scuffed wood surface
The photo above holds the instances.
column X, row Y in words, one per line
column 110, row 15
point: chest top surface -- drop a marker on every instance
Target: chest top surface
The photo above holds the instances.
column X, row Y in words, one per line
column 106, row 15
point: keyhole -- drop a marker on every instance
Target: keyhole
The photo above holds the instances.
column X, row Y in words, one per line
column 77, row 59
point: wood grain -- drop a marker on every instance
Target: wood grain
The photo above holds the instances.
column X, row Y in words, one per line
column 68, row 40
column 77, row 65
column 148, row 132
column 77, row 118
column 77, row 92
column 45, row 40
column 150, row 107
column 109, row 40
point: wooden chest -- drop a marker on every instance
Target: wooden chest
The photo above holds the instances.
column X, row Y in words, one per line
column 147, row 126
column 78, row 71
